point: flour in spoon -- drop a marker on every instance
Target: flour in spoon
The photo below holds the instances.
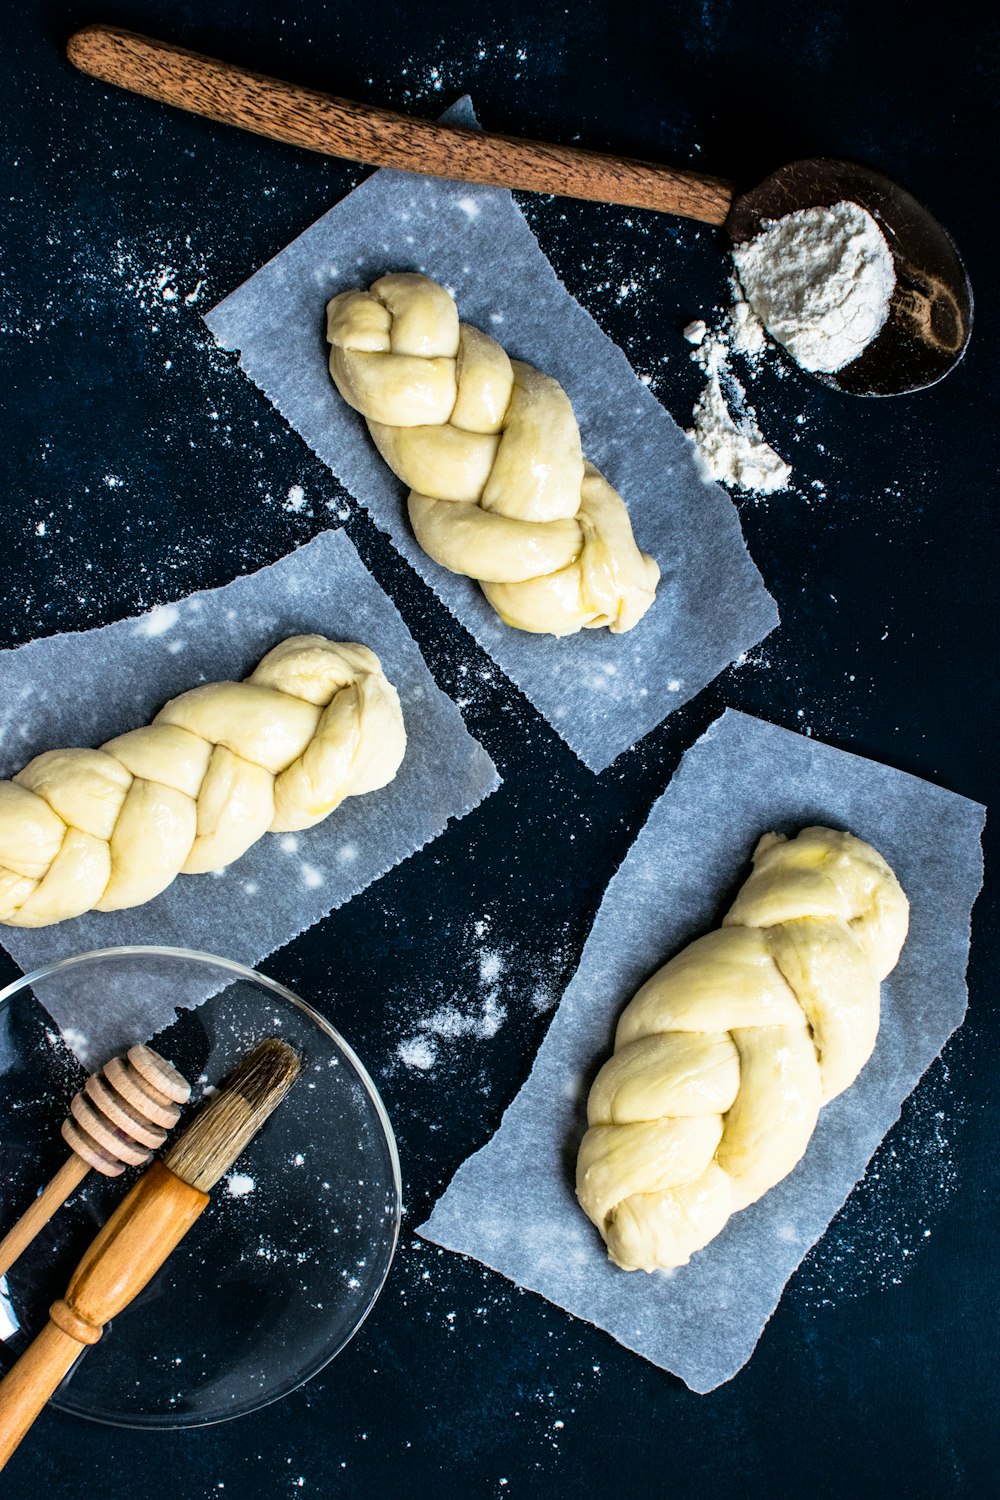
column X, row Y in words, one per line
column 820, row 280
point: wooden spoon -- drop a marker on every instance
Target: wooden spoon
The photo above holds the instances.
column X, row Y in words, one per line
column 930, row 316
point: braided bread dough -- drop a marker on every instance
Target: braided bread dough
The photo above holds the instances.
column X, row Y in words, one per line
column 725, row 1056
column 84, row 830
column 499, row 488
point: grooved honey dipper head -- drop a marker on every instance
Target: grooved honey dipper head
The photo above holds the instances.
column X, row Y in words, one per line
column 123, row 1113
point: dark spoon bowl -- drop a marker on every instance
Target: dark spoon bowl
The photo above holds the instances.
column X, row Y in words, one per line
column 929, row 322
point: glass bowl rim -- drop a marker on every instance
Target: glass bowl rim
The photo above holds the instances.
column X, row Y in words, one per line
column 238, row 971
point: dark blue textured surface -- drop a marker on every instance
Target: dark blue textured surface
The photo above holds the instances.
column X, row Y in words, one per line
column 156, row 468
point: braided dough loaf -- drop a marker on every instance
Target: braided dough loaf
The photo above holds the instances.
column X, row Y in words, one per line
column 499, row 489
column 84, row 830
column 723, row 1059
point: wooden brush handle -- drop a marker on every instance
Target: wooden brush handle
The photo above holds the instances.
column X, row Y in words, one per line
column 360, row 132
column 127, row 1252
column 31, row 1382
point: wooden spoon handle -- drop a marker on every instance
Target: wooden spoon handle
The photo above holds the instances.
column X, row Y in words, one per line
column 360, row 132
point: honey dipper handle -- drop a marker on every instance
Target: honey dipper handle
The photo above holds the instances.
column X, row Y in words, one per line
column 67, row 1180
column 360, row 132
column 129, row 1249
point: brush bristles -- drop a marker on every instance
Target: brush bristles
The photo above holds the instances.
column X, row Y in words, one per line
column 214, row 1140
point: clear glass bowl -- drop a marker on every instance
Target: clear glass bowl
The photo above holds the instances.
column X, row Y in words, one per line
column 285, row 1263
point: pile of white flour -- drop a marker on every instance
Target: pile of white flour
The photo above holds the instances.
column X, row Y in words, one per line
column 820, row 281
column 729, row 443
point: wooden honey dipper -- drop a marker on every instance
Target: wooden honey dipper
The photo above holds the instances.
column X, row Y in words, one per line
column 143, row 1230
column 117, row 1120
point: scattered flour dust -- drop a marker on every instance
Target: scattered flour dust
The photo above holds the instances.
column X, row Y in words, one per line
column 416, row 81
column 417, row 1052
column 452, row 1023
column 475, row 1013
column 158, row 621
column 540, row 1407
column 892, row 1213
column 162, row 276
column 240, row 1185
column 819, row 281
column 729, row 444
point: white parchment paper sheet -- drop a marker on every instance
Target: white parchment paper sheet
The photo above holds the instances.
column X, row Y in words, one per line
column 82, row 689
column 601, row 692
column 512, row 1204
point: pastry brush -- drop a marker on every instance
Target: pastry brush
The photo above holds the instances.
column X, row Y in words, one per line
column 143, row 1230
